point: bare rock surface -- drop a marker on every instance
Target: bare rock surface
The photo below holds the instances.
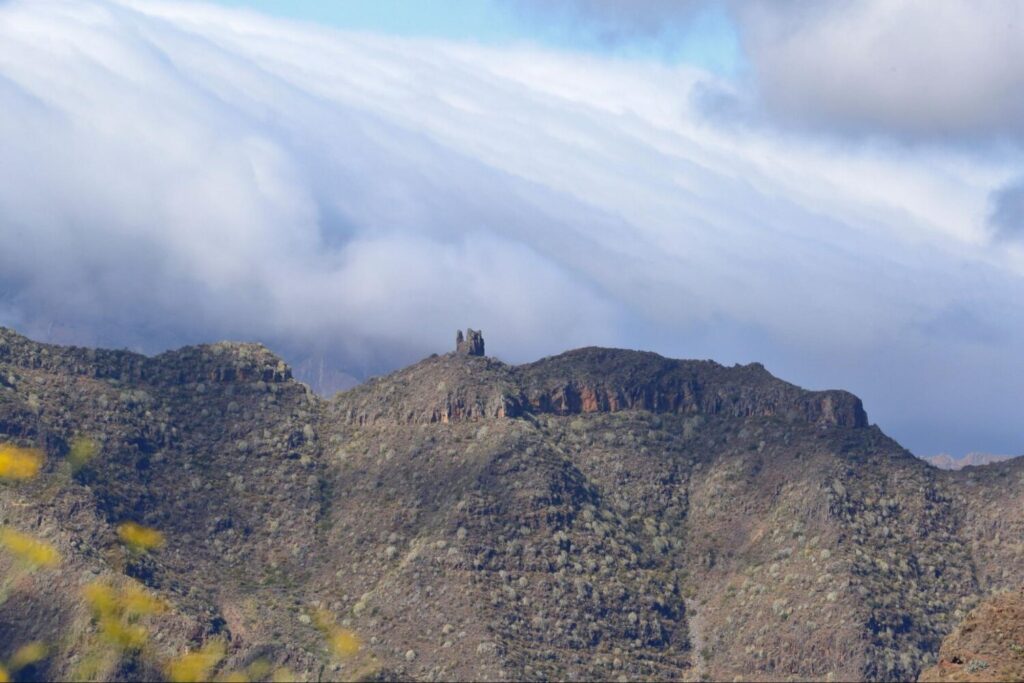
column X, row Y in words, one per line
column 472, row 344
column 987, row 646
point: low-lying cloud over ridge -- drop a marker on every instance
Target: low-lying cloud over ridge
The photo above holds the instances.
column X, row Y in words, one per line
column 176, row 173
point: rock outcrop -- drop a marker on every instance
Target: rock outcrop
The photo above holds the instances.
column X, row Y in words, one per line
column 470, row 345
column 220, row 362
column 987, row 646
column 593, row 380
column 608, row 380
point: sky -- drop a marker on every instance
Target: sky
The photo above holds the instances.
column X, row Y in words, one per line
column 702, row 35
column 833, row 189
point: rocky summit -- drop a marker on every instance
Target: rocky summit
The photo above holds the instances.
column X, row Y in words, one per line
column 601, row 514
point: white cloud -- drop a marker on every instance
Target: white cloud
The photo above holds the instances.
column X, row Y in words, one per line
column 916, row 70
column 176, row 173
column 919, row 70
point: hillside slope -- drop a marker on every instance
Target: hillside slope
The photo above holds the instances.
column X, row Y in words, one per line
column 598, row 514
column 987, row 646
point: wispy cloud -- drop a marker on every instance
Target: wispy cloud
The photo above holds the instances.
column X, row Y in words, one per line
column 176, row 173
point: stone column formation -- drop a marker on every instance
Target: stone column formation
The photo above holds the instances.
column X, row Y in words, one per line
column 471, row 345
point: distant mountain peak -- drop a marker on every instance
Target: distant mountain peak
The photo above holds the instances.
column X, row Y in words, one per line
column 945, row 461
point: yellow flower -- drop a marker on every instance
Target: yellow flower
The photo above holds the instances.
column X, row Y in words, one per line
column 82, row 451
column 19, row 463
column 140, row 538
column 258, row 669
column 122, row 635
column 101, row 598
column 343, row 642
column 28, row 654
column 196, row 666
column 117, row 609
column 284, row 675
column 137, row 601
column 29, row 550
column 4, row 676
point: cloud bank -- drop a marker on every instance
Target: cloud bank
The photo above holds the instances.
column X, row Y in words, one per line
column 914, row 69
column 176, row 173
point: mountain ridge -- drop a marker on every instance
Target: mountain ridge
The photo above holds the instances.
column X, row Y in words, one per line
column 670, row 386
column 974, row 459
column 601, row 380
column 596, row 514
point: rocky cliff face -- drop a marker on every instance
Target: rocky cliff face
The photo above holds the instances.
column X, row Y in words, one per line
column 608, row 380
column 599, row 514
column 472, row 344
column 987, row 646
column 590, row 381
